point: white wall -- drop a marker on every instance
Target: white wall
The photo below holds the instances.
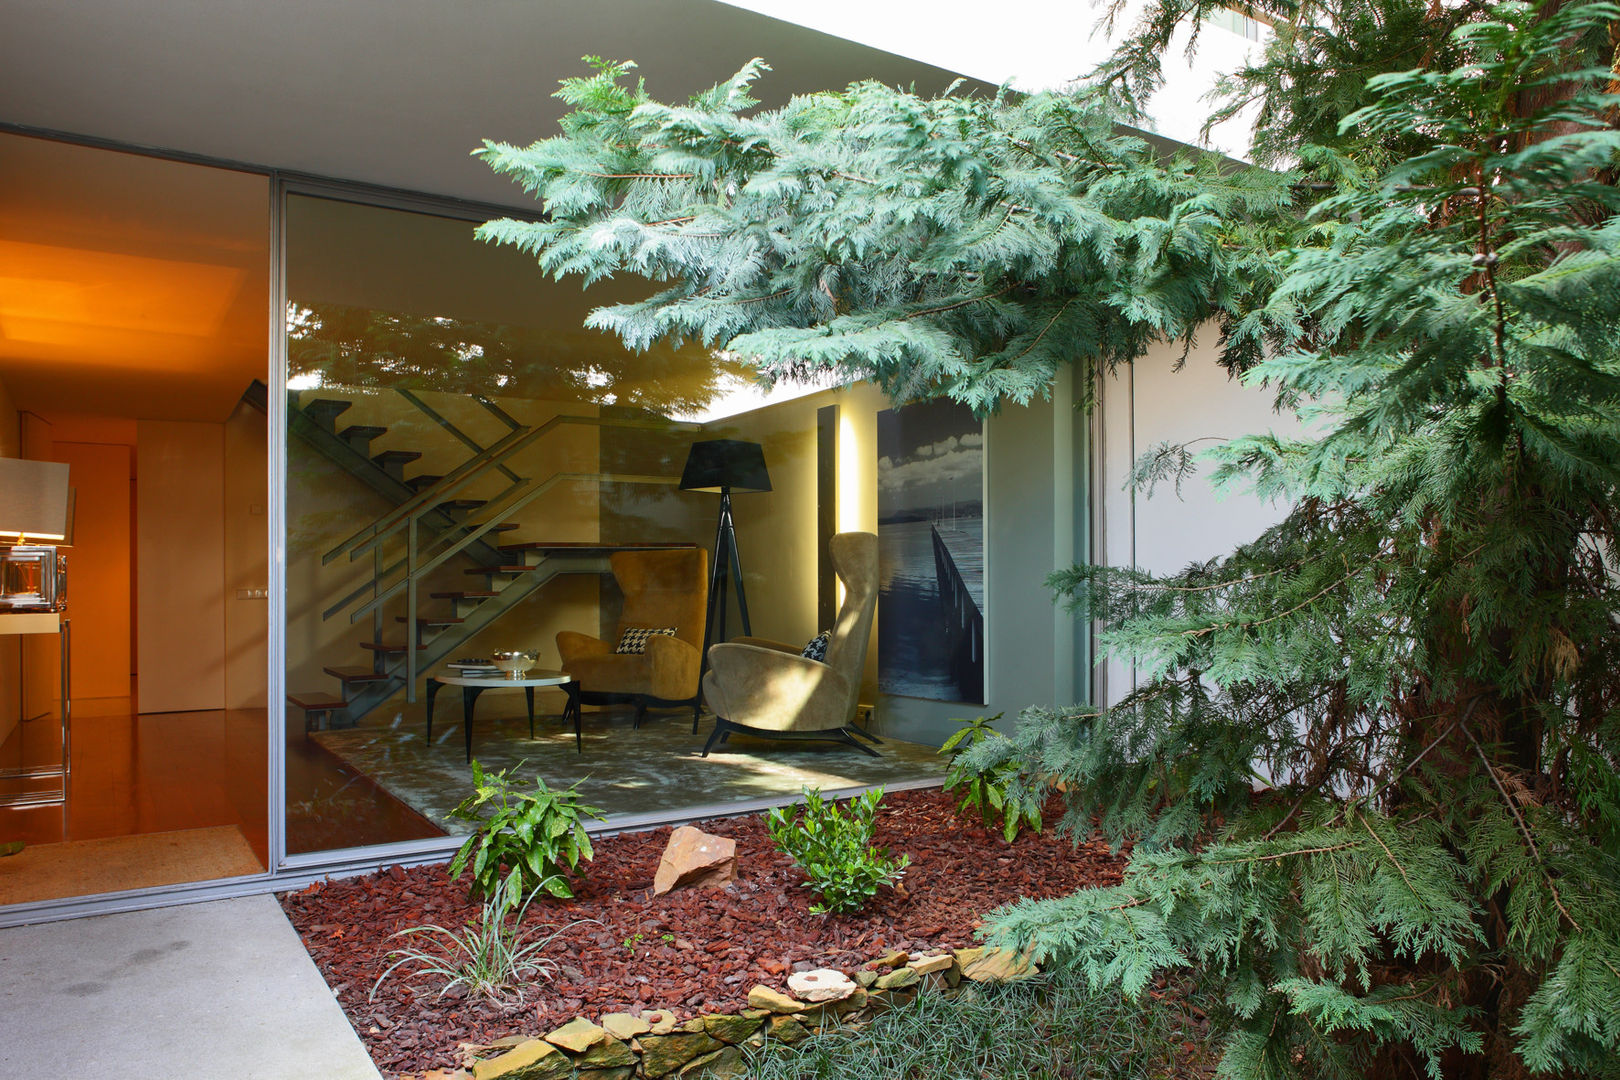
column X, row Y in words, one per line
column 1150, row 403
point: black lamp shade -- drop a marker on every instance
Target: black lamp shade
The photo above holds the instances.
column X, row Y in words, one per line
column 725, row 465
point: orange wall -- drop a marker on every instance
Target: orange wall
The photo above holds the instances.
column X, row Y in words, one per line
column 180, row 515
column 99, row 567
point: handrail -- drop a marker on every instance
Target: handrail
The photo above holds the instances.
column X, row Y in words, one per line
column 535, row 491
column 370, row 535
column 460, row 436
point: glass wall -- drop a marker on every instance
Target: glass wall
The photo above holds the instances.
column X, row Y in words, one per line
column 470, row 471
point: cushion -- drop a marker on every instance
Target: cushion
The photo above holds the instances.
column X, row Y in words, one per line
column 634, row 638
column 816, row 648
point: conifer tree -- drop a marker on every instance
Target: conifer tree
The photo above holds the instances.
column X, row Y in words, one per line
column 1419, row 667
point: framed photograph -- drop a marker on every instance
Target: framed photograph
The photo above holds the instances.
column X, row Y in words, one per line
column 931, row 552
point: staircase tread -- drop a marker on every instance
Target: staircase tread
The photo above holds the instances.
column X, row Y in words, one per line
column 460, row 504
column 587, row 545
column 513, row 569
column 356, row 674
column 362, row 431
column 465, row 595
column 444, row 621
column 396, row 455
column 316, row 700
column 423, row 480
column 326, row 405
column 388, row 646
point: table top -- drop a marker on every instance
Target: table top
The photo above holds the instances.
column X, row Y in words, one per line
column 532, row 677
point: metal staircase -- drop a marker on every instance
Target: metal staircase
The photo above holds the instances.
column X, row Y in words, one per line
column 433, row 522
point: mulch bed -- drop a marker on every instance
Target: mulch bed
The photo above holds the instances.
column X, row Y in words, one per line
column 692, row 950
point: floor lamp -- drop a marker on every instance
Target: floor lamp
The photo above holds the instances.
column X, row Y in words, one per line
column 724, row 466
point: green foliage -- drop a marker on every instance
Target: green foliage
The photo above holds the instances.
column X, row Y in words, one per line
column 833, row 846
column 998, row 792
column 1418, row 667
column 493, row 958
column 535, row 836
column 1046, row 1029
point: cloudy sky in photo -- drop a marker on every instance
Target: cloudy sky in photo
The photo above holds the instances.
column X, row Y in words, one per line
column 930, row 455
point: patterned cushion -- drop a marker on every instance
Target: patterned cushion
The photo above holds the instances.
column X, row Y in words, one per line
column 816, row 649
column 634, row 638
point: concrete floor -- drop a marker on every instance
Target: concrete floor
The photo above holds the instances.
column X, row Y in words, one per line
column 216, row 991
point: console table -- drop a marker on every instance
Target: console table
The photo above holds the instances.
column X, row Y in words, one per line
column 43, row 622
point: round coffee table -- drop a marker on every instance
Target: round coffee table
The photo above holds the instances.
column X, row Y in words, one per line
column 474, row 685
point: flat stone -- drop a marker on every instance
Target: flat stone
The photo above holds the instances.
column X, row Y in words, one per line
column 610, row 1053
column 998, row 965
column 723, row 1063
column 695, row 1024
column 663, row 1054
column 785, row 1029
column 693, row 856
column 763, row 997
column 624, row 1073
column 662, row 1021
column 731, row 1029
column 624, row 1026
column 821, row 985
column 893, row 960
column 533, row 1060
column 898, row 979
column 576, row 1036
column 928, row 964
column 866, row 978
column 964, row 957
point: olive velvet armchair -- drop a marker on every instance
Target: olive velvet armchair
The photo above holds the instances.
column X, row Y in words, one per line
column 661, row 589
column 766, row 688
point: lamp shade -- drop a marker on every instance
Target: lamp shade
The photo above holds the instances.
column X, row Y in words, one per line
column 725, row 465
column 34, row 500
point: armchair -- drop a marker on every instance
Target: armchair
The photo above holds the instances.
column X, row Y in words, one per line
column 661, row 588
column 766, row 688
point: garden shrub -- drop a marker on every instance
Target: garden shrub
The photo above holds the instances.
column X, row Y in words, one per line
column 538, row 836
column 997, row 791
column 833, row 846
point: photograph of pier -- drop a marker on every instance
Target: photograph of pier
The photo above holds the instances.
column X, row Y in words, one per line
column 931, row 552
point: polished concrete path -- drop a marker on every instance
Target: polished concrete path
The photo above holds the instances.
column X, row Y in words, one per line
column 217, row 990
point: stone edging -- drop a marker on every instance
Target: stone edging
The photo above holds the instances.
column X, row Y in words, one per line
column 654, row 1045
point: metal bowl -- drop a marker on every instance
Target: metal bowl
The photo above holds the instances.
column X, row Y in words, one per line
column 514, row 662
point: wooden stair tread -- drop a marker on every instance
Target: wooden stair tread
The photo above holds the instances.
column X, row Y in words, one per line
column 362, row 431
column 387, row 646
column 356, row 674
column 325, row 407
column 515, row 569
column 445, row 621
column 401, row 456
column 459, row 504
column 422, row 481
column 466, row 595
column 316, row 700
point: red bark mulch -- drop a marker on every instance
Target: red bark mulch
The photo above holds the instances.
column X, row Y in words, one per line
column 693, row 950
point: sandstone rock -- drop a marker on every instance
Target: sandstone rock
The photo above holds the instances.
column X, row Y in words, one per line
column 624, row 1026
column 893, row 960
column 662, row 1021
column 763, row 997
column 785, row 1029
column 731, row 1029
column 824, row 984
column 624, row 1073
column 663, row 1054
column 610, row 1053
column 998, row 965
column 866, row 978
column 694, row 1024
column 694, row 857
column 964, row 957
column 898, row 979
column 576, row 1036
column 928, row 964
column 723, row 1063
column 533, row 1060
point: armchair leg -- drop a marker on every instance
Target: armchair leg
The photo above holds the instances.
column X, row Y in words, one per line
column 722, row 729
column 863, row 733
column 641, row 714
column 844, row 737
